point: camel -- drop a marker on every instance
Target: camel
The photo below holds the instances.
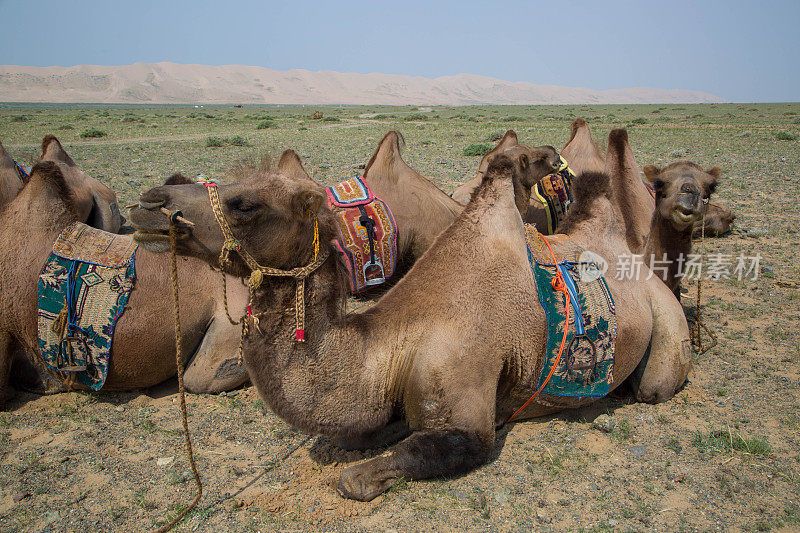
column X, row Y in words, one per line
column 660, row 229
column 582, row 154
column 143, row 352
column 535, row 213
column 454, row 347
column 682, row 191
column 96, row 203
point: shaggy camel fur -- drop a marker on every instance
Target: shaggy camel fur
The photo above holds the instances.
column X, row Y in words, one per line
column 456, row 346
column 143, row 348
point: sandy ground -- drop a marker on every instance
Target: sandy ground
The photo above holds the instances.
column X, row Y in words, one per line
column 724, row 454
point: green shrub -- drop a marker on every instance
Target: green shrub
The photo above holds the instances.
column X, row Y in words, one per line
column 92, row 133
column 477, row 149
column 264, row 124
column 639, row 120
column 214, row 142
column 512, row 118
column 19, row 118
column 495, row 136
column 66, row 127
column 331, row 119
column 786, row 136
column 417, row 116
column 238, row 140
column 382, row 116
column 302, row 128
column 726, row 441
column 129, row 119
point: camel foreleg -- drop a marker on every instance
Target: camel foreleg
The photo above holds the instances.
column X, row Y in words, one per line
column 423, row 455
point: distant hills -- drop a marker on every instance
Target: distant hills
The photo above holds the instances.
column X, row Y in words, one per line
column 173, row 83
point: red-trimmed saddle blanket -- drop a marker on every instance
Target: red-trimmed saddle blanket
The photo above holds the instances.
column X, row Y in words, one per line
column 367, row 233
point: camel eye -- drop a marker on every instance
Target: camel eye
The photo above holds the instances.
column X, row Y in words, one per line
column 244, row 207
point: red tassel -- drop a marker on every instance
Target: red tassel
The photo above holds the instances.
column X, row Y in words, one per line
column 249, row 310
column 301, row 335
column 209, row 184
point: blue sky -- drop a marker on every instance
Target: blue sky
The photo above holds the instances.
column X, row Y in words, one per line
column 739, row 50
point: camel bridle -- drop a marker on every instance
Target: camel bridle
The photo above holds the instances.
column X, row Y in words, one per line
column 257, row 271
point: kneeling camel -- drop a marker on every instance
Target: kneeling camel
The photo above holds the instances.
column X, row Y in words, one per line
column 456, row 346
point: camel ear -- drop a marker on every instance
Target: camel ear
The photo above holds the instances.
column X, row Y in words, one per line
column 651, row 172
column 291, row 165
column 509, row 138
column 523, row 161
column 714, row 171
column 306, row 204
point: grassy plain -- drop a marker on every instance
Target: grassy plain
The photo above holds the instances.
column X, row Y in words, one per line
column 723, row 454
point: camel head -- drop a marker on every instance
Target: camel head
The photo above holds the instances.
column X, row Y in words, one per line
column 529, row 166
column 682, row 191
column 271, row 213
column 96, row 203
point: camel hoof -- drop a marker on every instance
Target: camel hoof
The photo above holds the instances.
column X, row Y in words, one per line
column 354, row 484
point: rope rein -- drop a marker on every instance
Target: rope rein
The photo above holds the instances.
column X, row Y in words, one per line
column 181, row 389
column 699, row 325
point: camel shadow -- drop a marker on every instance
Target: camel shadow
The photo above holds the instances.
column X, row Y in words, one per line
column 327, row 451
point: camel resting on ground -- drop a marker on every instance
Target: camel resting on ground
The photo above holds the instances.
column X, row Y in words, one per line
column 455, row 347
column 143, row 352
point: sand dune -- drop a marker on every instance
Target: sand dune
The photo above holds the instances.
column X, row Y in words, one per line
column 173, row 83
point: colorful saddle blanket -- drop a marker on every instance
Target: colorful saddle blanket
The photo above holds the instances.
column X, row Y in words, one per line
column 586, row 366
column 367, row 233
column 83, row 289
column 555, row 193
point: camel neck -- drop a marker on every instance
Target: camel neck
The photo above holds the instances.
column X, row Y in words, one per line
column 667, row 248
column 324, row 385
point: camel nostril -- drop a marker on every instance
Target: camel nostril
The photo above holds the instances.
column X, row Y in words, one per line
column 688, row 188
column 152, row 199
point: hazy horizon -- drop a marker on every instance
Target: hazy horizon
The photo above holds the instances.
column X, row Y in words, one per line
column 739, row 51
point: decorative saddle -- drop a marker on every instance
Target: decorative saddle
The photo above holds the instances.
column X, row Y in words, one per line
column 586, row 366
column 555, row 193
column 82, row 292
column 367, row 233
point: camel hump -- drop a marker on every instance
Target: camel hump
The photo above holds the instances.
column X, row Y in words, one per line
column 388, row 150
column 53, row 151
column 586, row 188
column 178, row 179
column 577, row 125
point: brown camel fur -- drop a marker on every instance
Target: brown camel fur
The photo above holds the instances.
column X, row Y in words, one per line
column 10, row 183
column 581, row 152
column 143, row 352
column 682, row 191
column 456, row 346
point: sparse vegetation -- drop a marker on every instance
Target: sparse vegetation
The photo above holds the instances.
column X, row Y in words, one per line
column 726, row 441
column 92, row 133
column 786, row 136
column 264, row 124
column 477, row 149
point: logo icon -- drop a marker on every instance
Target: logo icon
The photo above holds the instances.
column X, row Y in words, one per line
column 591, row 266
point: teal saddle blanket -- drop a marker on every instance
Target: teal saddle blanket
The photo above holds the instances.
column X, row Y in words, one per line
column 585, row 368
column 82, row 292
